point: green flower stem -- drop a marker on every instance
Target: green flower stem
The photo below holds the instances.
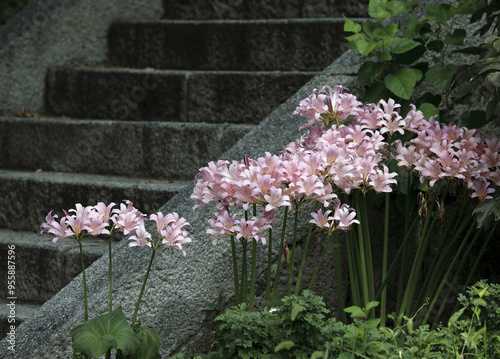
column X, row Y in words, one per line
column 252, row 276
column 269, row 264
column 352, row 265
column 303, row 260
column 368, row 249
column 86, row 313
column 280, row 253
column 383, row 302
column 402, row 273
column 460, row 266
column 450, row 268
column 478, row 259
column 338, row 274
column 400, row 253
column 110, row 278
column 437, row 256
column 292, row 261
column 244, row 273
column 412, row 281
column 318, row 265
column 362, row 252
column 142, row 289
column 435, row 274
column 421, row 251
column 235, row 271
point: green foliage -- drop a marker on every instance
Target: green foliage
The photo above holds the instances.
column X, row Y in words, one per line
column 288, row 331
column 110, row 331
column 300, row 328
column 404, row 52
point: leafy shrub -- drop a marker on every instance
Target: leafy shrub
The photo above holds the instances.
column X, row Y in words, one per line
column 300, row 328
column 404, row 51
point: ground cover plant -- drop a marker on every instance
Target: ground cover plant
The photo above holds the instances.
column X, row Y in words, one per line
column 301, row 327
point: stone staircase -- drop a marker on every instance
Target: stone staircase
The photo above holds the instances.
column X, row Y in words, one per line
column 175, row 94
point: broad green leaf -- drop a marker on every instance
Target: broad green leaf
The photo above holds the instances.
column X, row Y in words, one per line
column 487, row 211
column 435, row 45
column 455, row 317
column 351, row 26
column 356, row 312
column 150, row 343
column 109, row 331
column 369, row 71
column 371, row 305
column 428, row 109
column 378, row 9
column 438, row 74
column 295, row 311
column 410, row 57
column 456, row 38
column 284, row 345
column 494, row 66
column 400, row 45
column 440, row 12
column 411, row 28
column 361, row 43
column 418, row 74
column 375, row 92
column 372, row 323
column 316, row 354
column 402, row 83
column 381, row 9
column 379, row 31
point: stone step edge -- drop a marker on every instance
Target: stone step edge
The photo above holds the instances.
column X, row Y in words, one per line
column 64, row 120
column 154, row 71
column 120, row 181
column 246, row 21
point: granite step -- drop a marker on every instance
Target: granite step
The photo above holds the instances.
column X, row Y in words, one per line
column 26, row 197
column 169, row 95
column 156, row 150
column 258, row 9
column 248, row 45
column 40, row 270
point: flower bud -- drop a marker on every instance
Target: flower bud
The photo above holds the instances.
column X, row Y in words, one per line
column 286, row 253
column 246, row 161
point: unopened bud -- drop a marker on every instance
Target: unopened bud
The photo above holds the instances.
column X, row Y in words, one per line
column 286, row 253
column 246, row 161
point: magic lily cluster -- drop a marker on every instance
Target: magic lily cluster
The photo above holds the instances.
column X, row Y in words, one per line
column 100, row 335
column 349, row 150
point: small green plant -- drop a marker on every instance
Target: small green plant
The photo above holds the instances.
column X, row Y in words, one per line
column 301, row 327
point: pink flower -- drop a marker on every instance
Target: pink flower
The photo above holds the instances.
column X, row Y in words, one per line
column 140, row 238
column 381, row 180
column 78, row 223
column 481, row 189
column 276, row 199
column 53, row 227
column 321, row 218
column 127, row 218
column 222, row 226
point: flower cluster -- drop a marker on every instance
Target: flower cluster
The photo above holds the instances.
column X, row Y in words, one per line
column 446, row 151
column 347, row 147
column 103, row 219
column 437, row 151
